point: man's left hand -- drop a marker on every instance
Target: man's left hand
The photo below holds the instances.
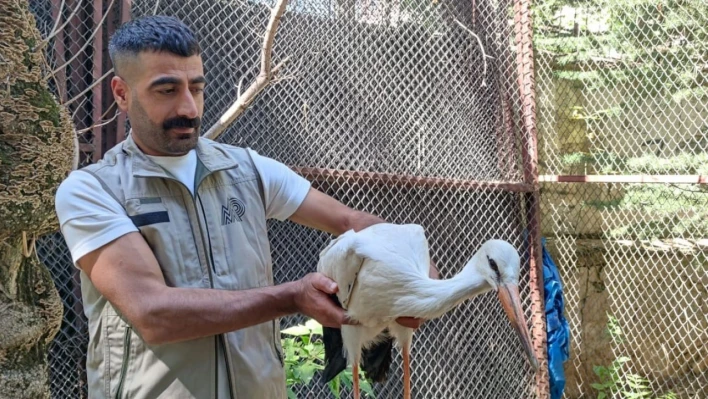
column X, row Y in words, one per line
column 412, row 322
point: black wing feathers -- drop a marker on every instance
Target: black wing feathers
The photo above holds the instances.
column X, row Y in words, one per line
column 375, row 360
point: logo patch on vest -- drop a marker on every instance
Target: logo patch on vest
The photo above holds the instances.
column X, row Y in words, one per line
column 233, row 211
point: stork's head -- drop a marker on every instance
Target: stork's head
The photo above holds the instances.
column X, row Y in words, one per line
column 499, row 263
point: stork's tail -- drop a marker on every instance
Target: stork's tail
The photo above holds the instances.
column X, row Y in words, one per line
column 375, row 360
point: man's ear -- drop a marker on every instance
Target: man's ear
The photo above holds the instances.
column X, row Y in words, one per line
column 121, row 92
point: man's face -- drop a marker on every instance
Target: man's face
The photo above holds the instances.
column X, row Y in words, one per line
column 163, row 95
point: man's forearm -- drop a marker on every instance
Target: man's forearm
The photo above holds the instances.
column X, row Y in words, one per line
column 179, row 314
column 325, row 213
column 360, row 220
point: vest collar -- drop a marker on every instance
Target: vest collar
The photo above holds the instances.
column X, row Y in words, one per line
column 209, row 158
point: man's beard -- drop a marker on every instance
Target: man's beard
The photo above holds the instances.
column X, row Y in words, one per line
column 158, row 137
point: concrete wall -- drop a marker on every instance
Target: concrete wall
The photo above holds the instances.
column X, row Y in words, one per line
column 660, row 301
column 573, row 118
column 656, row 288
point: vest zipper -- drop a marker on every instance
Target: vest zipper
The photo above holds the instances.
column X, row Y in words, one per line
column 211, row 252
column 126, row 359
column 211, row 267
column 275, row 346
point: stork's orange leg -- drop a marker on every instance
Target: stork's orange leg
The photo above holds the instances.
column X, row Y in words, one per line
column 355, row 377
column 406, row 373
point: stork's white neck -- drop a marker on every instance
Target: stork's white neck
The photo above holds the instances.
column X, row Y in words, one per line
column 431, row 298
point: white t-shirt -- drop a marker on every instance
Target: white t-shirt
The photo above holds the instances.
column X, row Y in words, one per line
column 90, row 218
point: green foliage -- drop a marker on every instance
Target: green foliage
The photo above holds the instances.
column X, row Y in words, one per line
column 304, row 357
column 689, row 163
column 644, row 36
column 615, row 381
column 672, row 211
column 646, row 48
column 614, row 330
column 603, row 162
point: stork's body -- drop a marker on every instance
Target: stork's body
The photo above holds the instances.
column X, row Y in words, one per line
column 382, row 274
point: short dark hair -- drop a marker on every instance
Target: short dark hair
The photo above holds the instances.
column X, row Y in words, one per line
column 153, row 33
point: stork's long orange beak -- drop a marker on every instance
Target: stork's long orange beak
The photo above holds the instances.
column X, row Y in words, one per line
column 509, row 297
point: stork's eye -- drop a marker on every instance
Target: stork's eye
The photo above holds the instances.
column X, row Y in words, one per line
column 493, row 265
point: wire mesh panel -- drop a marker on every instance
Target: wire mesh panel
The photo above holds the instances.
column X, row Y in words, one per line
column 408, row 110
column 396, row 88
column 622, row 86
column 622, row 94
column 76, row 35
column 470, row 352
column 634, row 259
column 67, row 354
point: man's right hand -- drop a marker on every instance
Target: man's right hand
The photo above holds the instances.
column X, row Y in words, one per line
column 312, row 299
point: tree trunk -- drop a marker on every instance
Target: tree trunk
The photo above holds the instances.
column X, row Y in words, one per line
column 36, row 147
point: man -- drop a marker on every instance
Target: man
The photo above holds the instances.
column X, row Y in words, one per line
column 169, row 231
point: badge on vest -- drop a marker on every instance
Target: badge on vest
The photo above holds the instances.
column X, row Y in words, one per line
column 232, row 212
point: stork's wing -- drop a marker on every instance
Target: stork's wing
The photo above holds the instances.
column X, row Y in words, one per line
column 335, row 361
column 403, row 248
column 400, row 246
column 340, row 262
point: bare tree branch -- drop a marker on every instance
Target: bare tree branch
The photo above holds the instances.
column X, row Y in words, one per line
column 56, row 23
column 110, row 108
column 98, row 124
column 94, row 84
column 157, row 5
column 481, row 46
column 265, row 76
column 238, row 88
column 77, row 153
column 77, row 149
column 88, row 42
column 77, row 109
column 55, row 29
column 77, row 133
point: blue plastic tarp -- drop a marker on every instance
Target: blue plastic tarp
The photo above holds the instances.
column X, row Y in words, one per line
column 557, row 330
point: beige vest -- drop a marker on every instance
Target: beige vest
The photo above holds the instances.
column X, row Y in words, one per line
column 214, row 239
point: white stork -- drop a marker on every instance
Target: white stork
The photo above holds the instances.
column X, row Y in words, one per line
column 382, row 274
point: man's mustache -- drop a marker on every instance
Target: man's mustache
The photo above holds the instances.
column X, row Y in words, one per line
column 182, row 122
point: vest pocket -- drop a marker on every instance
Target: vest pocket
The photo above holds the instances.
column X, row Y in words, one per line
column 126, row 361
column 165, row 225
column 276, row 344
column 118, row 351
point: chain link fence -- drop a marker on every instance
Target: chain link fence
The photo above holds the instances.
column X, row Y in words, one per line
column 623, row 143
column 67, row 354
column 400, row 92
column 409, row 110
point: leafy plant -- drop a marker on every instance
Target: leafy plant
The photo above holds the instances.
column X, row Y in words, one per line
column 611, row 378
column 304, row 357
column 614, row 329
column 601, row 42
column 614, row 380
